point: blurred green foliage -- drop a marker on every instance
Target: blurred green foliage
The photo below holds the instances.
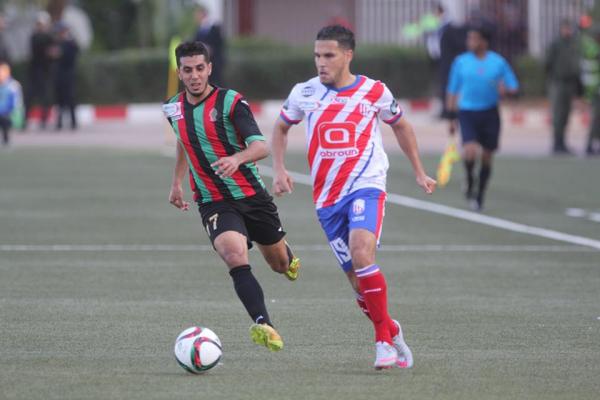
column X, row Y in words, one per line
column 262, row 69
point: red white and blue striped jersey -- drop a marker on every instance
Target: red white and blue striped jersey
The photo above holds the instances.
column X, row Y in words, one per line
column 345, row 148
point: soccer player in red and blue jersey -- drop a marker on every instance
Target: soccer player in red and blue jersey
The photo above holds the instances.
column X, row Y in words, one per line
column 348, row 168
column 218, row 142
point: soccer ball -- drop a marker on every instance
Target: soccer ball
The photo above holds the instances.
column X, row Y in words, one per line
column 198, row 349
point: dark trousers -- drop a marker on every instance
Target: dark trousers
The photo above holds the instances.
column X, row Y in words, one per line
column 562, row 93
column 5, row 125
column 594, row 133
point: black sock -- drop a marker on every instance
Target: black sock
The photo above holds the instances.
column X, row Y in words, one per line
column 250, row 293
column 484, row 177
column 469, row 166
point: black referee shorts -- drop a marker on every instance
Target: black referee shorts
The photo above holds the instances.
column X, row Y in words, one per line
column 255, row 217
column 480, row 126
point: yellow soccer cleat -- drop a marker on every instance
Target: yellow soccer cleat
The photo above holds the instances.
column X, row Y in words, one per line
column 292, row 272
column 267, row 336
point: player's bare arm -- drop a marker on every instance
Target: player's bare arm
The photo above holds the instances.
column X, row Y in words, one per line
column 226, row 166
column 282, row 182
column 405, row 136
column 181, row 167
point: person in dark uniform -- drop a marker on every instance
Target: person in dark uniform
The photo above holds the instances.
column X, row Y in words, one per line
column 209, row 33
column 64, row 80
column 218, row 142
column 562, row 69
column 40, row 68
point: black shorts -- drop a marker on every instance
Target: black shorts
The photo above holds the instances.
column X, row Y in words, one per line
column 255, row 217
column 480, row 126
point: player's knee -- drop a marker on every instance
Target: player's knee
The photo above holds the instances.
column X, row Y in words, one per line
column 234, row 257
column 362, row 256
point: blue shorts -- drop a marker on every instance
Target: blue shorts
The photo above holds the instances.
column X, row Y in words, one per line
column 482, row 127
column 362, row 209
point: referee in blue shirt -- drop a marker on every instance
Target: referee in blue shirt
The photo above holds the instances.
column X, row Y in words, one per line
column 478, row 78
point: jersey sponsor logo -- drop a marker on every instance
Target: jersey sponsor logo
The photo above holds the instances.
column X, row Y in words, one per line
column 309, row 105
column 337, row 139
column 307, row 91
column 173, row 111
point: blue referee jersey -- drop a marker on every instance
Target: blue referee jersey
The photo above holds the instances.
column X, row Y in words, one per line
column 476, row 80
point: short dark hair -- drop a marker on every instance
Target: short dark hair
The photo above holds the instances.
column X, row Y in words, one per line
column 189, row 49
column 483, row 31
column 343, row 35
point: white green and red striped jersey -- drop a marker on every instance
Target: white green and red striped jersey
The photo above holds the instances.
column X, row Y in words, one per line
column 345, row 149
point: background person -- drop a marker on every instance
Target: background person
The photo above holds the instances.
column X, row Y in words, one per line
column 563, row 73
column 478, row 79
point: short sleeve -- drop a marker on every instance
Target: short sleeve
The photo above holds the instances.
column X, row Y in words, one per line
column 509, row 78
column 245, row 123
column 389, row 109
column 291, row 113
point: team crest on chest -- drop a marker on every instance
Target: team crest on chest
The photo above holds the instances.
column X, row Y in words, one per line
column 213, row 115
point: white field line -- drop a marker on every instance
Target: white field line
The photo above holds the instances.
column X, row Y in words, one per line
column 466, row 215
column 433, row 248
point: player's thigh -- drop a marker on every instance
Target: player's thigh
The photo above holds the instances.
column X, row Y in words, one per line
column 468, row 126
column 490, row 130
column 334, row 221
column 226, row 230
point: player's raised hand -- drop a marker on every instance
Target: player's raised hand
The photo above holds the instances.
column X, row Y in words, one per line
column 427, row 184
column 226, row 166
column 176, row 198
column 282, row 184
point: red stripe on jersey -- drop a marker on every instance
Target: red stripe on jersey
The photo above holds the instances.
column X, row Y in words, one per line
column 328, row 115
column 210, row 185
column 346, row 169
column 331, row 111
column 219, row 148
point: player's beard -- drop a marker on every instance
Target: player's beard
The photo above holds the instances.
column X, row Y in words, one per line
column 199, row 93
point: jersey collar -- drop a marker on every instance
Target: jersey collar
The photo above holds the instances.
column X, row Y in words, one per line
column 348, row 87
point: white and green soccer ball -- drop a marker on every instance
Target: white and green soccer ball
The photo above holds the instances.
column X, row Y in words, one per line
column 198, row 349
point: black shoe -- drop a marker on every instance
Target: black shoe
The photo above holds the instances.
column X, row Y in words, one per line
column 562, row 151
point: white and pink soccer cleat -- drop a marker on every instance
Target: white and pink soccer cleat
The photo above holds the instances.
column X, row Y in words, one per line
column 405, row 357
column 386, row 357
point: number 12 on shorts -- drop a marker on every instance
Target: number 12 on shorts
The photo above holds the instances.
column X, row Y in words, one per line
column 341, row 250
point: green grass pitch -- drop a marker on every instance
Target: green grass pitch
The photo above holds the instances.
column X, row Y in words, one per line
column 483, row 324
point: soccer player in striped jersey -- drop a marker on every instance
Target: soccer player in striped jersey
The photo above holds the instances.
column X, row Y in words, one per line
column 348, row 168
column 218, row 143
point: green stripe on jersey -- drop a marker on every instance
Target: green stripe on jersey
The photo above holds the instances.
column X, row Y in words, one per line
column 209, row 151
column 255, row 138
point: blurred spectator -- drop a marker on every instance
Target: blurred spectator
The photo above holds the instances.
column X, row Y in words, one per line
column 433, row 37
column 4, row 56
column 40, row 68
column 65, row 76
column 590, row 77
column 209, row 33
column 562, row 69
column 453, row 40
column 10, row 101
